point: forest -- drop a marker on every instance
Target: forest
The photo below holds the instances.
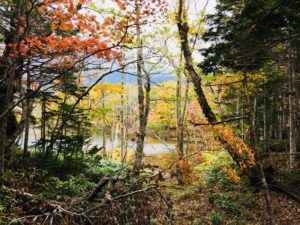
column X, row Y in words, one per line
column 149, row 112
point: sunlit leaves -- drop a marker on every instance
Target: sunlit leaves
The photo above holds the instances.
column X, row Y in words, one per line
column 232, row 174
column 240, row 150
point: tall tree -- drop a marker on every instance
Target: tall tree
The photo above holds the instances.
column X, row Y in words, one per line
column 183, row 29
column 10, row 67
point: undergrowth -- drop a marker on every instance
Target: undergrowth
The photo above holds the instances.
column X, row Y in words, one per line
column 230, row 196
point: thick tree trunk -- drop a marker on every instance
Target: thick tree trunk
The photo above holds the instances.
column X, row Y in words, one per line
column 9, row 68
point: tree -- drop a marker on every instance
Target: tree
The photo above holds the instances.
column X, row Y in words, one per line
column 259, row 36
column 55, row 37
column 183, row 29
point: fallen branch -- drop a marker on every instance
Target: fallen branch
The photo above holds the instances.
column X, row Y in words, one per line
column 98, row 188
column 219, row 122
column 279, row 188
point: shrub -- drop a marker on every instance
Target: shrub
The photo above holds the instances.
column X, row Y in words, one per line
column 54, row 188
column 197, row 222
column 216, row 173
column 215, row 218
column 226, row 202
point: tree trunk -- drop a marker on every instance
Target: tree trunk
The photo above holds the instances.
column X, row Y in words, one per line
column 254, row 111
column 280, row 119
column 180, row 119
column 292, row 106
column 9, row 68
column 28, row 112
column 141, row 131
column 43, row 126
column 254, row 146
column 183, row 29
column 122, row 149
column 104, row 126
column 265, row 135
column 143, row 102
column 116, row 136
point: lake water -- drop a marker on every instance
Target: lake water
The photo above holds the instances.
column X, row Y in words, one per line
column 153, row 143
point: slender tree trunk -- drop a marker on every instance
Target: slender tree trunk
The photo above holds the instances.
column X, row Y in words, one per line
column 43, row 125
column 104, row 126
column 122, row 149
column 264, row 184
column 104, row 141
column 265, row 135
column 185, row 113
column 28, row 111
column 112, row 139
column 179, row 118
column 116, row 136
column 254, row 111
column 292, row 106
column 143, row 102
column 280, row 119
column 141, row 131
column 242, row 122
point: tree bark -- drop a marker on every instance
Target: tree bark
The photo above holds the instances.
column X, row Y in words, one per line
column 43, row 126
column 179, row 130
column 265, row 135
column 183, row 29
column 143, row 102
column 9, row 69
column 28, row 113
column 104, row 126
column 123, row 126
column 292, row 106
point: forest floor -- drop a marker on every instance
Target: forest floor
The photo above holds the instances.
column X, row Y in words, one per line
column 210, row 197
column 213, row 198
column 192, row 205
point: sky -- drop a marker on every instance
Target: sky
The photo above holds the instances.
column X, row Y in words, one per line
column 194, row 6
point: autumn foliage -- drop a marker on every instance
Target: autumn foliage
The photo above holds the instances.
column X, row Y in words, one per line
column 231, row 174
column 63, row 32
column 186, row 170
column 242, row 152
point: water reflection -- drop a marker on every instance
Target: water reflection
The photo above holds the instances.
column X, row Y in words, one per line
column 152, row 145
